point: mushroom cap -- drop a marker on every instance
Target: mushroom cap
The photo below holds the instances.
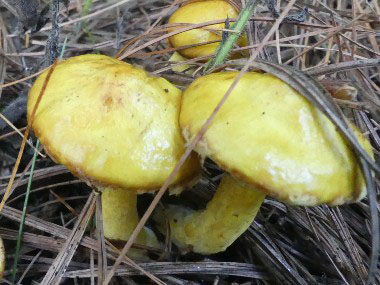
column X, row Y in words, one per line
column 268, row 135
column 199, row 12
column 111, row 124
column 2, row 258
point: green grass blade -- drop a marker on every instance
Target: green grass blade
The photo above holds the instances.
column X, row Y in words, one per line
column 21, row 228
column 226, row 45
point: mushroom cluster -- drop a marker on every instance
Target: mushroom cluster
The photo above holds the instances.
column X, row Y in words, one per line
column 119, row 130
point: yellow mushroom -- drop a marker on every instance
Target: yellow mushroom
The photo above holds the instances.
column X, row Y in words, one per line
column 276, row 139
column 2, row 258
column 269, row 137
column 116, row 128
column 197, row 12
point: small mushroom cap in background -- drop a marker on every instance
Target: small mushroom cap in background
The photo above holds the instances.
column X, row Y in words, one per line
column 268, row 135
column 198, row 12
column 2, row 258
column 111, row 123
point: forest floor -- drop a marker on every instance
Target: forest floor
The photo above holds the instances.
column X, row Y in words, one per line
column 338, row 41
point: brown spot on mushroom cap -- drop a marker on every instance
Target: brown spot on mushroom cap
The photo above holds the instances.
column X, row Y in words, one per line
column 108, row 101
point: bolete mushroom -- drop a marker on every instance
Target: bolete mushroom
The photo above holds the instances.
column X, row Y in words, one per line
column 196, row 12
column 116, row 128
column 2, row 258
column 268, row 136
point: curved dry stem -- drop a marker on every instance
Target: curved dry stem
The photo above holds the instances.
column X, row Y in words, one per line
column 229, row 214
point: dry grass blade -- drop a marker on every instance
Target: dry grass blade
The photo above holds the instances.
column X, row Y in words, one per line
column 268, row 251
column 360, row 272
column 374, row 214
column 137, row 40
column 21, row 151
column 61, row 262
column 326, row 252
column 61, row 200
column 40, row 224
column 23, row 79
column 207, row 268
column 51, row 228
column 18, row 132
column 29, row 266
column 33, row 240
column 343, row 66
column 353, row 22
column 137, row 267
column 54, row 244
column 175, row 32
column 248, row 47
column 39, row 174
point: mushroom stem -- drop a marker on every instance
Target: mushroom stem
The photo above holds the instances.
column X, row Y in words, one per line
column 229, row 213
column 120, row 217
